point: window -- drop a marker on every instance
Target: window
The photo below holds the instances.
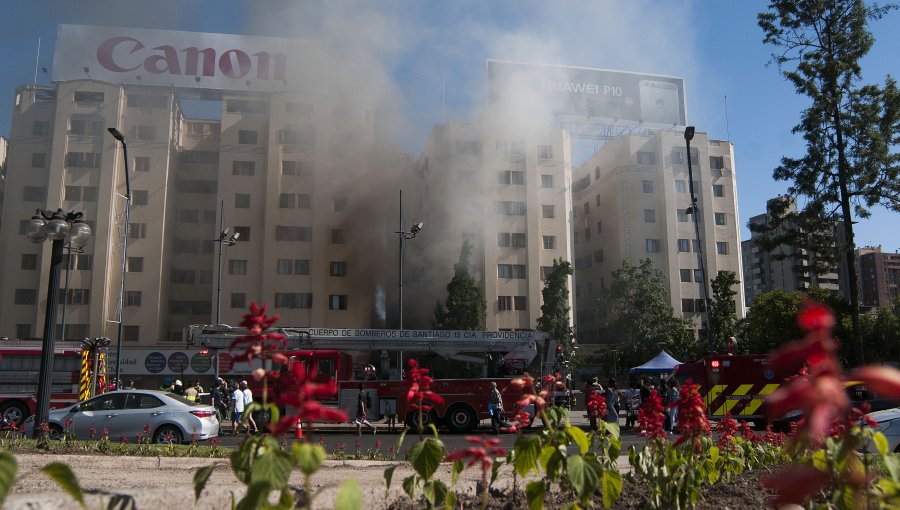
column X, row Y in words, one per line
column 511, row 208
column 545, row 152
column 29, row 262
column 298, row 168
column 598, row 256
column 237, row 266
column 83, row 160
column 205, row 187
column 246, row 137
column 682, row 215
column 79, row 261
column 467, row 147
column 504, row 303
column 287, row 200
column 337, row 302
column 519, row 240
column 716, row 162
column 209, row 216
column 700, row 305
column 596, row 172
column 687, row 305
column 698, row 275
column 141, row 164
column 140, row 197
column 299, row 108
column 338, row 204
column 134, row 265
column 199, row 158
column 549, row 242
column 646, row 158
column 599, row 227
column 285, row 233
column 304, row 201
column 684, row 245
column 90, row 126
column 34, row 194
column 23, row 330
column 301, row 267
column 587, row 234
column 696, row 244
column 293, row 300
column 90, row 193
column 547, row 211
column 137, row 230
column 25, row 297
column 38, row 160
column 721, row 248
column 84, row 98
column 133, row 298
column 510, row 177
column 284, row 266
column 685, row 275
column 188, row 216
column 720, row 218
column 516, row 271
column 652, row 245
column 243, row 234
column 718, row 190
column 337, row 236
column 183, row 276
column 520, row 303
column 242, row 200
column 243, row 168
column 147, row 101
column 40, row 128
column 145, row 133
column 504, row 239
column 338, row 269
column 238, row 300
column 648, row 186
column 546, row 181
column 587, row 208
column 649, row 216
column 131, row 333
column 680, row 186
column 545, row 272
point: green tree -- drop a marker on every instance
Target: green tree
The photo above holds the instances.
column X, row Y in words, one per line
column 881, row 333
column 851, row 163
column 554, row 317
column 636, row 314
column 465, row 308
column 722, row 313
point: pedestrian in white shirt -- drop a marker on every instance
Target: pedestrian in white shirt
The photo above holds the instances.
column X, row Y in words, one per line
column 248, row 399
column 237, row 402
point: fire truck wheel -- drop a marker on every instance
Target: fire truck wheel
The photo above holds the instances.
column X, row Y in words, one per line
column 167, row 434
column 14, row 412
column 412, row 419
column 461, row 418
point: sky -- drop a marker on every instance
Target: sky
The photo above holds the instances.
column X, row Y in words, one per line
column 423, row 62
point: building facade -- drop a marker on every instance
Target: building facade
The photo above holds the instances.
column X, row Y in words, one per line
column 629, row 204
column 879, row 277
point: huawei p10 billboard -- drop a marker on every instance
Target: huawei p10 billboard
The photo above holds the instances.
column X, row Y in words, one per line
column 590, row 94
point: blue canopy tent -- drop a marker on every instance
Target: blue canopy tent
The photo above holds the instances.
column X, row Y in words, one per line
column 663, row 363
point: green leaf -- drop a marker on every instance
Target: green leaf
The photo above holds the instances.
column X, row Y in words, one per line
column 435, row 491
column 425, row 457
column 584, row 475
column 714, row 453
column 409, row 486
column 580, row 438
column 308, row 457
column 611, row 484
column 534, row 492
column 8, row 468
column 450, row 501
column 273, row 465
column 612, row 428
column 615, row 447
column 349, row 497
column 64, row 477
column 388, row 476
column 495, row 470
column 200, row 479
column 455, row 469
column 892, row 463
column 881, row 443
column 528, row 449
column 242, row 459
column 257, row 494
column 286, row 500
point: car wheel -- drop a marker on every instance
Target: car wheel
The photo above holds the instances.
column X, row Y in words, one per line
column 461, row 418
column 14, row 412
column 56, row 432
column 167, row 434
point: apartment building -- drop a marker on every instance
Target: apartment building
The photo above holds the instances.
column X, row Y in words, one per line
column 879, row 277
column 785, row 267
column 629, row 203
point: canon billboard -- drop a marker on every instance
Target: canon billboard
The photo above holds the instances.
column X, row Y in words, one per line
column 616, row 96
column 182, row 59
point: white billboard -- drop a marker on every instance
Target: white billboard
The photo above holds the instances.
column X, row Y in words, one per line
column 584, row 93
column 185, row 59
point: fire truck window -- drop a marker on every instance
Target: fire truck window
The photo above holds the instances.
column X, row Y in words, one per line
column 326, row 367
column 105, row 403
column 142, row 401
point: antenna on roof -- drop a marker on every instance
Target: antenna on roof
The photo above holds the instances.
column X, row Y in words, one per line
column 36, row 60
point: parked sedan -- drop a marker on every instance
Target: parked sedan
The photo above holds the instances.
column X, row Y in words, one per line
column 889, row 425
column 167, row 417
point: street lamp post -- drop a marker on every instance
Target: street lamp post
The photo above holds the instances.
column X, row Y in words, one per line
column 413, row 232
column 695, row 211
column 224, row 240
column 56, row 226
column 121, row 139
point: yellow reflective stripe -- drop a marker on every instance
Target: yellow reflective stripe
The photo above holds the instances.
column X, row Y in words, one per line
column 713, row 395
column 742, row 390
column 754, row 405
column 85, row 378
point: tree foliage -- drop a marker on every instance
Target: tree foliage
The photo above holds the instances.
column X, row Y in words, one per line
column 851, row 130
column 722, row 311
column 554, row 317
column 465, row 308
column 636, row 314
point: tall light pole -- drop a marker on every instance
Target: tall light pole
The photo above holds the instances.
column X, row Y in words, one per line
column 121, row 139
column 413, row 232
column 224, row 240
column 695, row 212
column 56, row 226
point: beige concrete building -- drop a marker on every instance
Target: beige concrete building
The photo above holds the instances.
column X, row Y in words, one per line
column 629, row 204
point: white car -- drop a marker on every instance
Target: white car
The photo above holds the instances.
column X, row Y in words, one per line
column 889, row 425
column 167, row 417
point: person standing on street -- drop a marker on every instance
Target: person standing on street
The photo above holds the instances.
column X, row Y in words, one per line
column 218, row 402
column 248, row 399
column 191, row 393
column 363, row 403
column 612, row 402
column 496, row 408
column 237, row 410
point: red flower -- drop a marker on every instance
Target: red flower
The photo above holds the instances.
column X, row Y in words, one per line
column 420, row 395
column 257, row 342
column 692, row 420
column 747, row 433
column 652, row 416
column 596, row 404
column 484, row 452
column 305, row 401
column 529, row 396
column 726, row 428
column 882, row 380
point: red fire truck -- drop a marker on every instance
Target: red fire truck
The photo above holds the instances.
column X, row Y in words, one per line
column 343, row 354
column 20, row 370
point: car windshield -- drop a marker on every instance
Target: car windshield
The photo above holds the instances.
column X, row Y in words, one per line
column 183, row 400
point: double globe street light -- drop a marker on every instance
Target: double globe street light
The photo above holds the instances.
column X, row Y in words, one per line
column 61, row 227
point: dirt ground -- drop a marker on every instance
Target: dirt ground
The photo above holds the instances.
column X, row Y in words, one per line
column 167, row 482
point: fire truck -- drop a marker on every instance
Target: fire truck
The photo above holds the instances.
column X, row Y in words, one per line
column 73, row 378
column 345, row 354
